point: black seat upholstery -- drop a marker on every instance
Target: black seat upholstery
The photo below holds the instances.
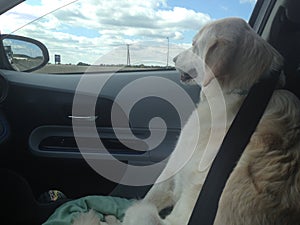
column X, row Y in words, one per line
column 19, row 205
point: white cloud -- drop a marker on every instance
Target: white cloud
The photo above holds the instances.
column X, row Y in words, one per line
column 24, row 13
column 113, row 23
column 248, row 1
column 225, row 8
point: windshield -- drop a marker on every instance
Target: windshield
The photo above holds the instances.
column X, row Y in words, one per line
column 106, row 34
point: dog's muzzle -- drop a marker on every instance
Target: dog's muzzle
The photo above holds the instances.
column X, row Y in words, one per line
column 186, row 69
column 185, row 77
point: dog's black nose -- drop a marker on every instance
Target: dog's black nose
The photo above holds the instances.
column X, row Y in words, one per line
column 185, row 77
column 174, row 59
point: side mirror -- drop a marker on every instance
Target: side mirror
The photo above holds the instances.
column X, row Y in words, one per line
column 22, row 53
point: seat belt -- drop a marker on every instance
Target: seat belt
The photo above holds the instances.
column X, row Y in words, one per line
column 232, row 147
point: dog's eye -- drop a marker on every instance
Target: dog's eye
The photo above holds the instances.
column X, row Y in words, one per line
column 194, row 43
column 194, row 50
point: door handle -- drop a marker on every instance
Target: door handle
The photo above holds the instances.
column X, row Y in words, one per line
column 86, row 118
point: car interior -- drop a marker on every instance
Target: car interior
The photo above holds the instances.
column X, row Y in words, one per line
column 38, row 148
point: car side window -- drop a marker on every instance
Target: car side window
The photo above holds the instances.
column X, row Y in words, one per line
column 115, row 35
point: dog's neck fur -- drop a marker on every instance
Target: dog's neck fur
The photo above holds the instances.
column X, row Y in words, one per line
column 214, row 90
column 216, row 110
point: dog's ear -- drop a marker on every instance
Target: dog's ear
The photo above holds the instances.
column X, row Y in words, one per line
column 218, row 59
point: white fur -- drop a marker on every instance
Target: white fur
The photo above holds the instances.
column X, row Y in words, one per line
column 182, row 190
column 91, row 218
column 87, row 218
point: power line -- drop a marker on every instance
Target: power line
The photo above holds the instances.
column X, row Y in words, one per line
column 52, row 11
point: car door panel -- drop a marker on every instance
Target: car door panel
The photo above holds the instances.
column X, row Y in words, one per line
column 39, row 111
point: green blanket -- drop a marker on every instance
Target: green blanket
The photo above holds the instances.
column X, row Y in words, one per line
column 102, row 205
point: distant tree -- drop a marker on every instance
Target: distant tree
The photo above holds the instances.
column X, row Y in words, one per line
column 82, row 64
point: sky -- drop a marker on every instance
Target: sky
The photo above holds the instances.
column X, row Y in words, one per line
column 98, row 31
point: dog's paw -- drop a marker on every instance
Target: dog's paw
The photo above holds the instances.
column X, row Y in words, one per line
column 142, row 213
column 89, row 218
column 111, row 220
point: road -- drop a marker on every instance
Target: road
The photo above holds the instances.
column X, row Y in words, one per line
column 61, row 68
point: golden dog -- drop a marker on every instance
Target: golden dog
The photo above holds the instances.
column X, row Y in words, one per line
column 226, row 59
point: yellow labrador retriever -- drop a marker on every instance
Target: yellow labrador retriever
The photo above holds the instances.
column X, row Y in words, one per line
column 264, row 188
column 226, row 59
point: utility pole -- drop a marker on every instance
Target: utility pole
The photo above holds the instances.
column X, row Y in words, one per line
column 128, row 55
column 168, row 51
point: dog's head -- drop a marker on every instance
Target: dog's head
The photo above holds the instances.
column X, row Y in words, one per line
column 231, row 52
